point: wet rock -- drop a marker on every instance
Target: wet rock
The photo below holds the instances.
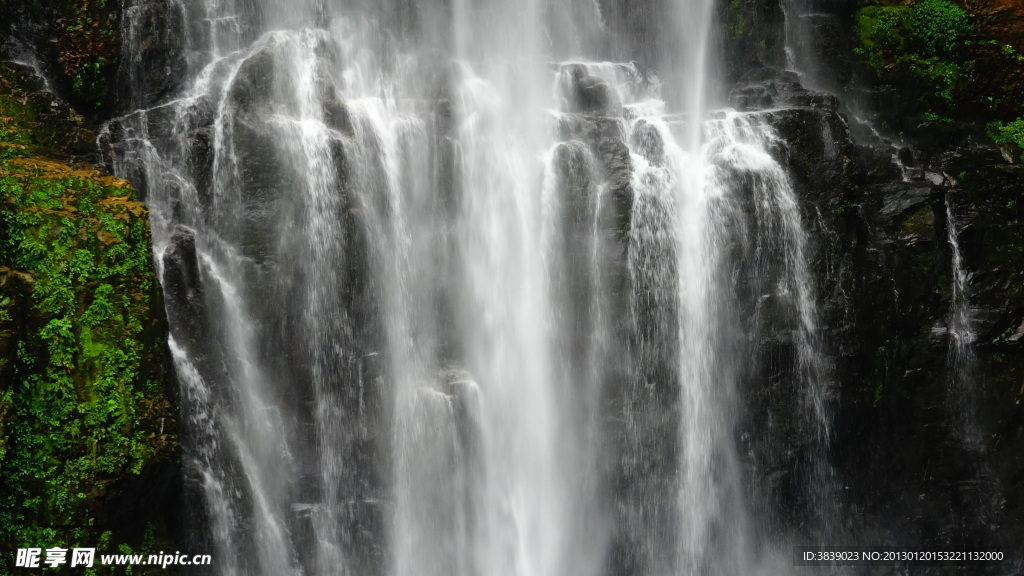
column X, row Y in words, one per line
column 337, row 117
column 884, row 266
column 874, row 165
column 758, row 89
column 648, row 142
column 154, row 40
column 754, row 96
column 906, row 156
column 756, row 38
column 253, row 84
column 821, row 43
column 588, row 94
column 818, row 148
column 183, row 287
column 915, row 174
column 588, row 129
column 615, row 156
column 56, row 125
column 764, row 88
column 898, row 201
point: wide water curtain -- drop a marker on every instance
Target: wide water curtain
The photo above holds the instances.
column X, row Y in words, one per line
column 472, row 287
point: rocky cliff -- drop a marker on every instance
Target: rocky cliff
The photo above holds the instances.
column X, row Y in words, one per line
column 928, row 444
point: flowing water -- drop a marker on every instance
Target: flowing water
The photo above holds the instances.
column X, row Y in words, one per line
column 449, row 297
column 961, row 360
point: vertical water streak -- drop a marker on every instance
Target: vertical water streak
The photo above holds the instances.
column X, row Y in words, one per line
column 575, row 249
column 201, row 427
column 961, row 360
column 740, row 148
column 506, row 329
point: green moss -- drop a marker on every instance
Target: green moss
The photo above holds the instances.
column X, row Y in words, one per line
column 736, row 19
column 79, row 411
column 844, row 207
column 920, row 223
column 883, row 33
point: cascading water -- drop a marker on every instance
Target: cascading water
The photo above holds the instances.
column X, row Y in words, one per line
column 431, row 317
column 961, row 359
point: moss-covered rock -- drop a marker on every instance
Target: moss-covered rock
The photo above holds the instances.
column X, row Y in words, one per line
column 88, row 439
column 77, row 44
column 32, row 117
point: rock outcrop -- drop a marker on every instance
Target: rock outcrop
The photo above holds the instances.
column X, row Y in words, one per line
column 88, row 435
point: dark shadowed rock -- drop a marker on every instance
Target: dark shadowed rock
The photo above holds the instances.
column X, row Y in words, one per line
column 588, row 94
column 183, row 285
column 648, row 142
column 764, row 88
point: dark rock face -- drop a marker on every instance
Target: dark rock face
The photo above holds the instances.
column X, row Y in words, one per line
column 752, row 36
column 71, row 42
column 183, row 286
column 101, row 56
column 884, row 268
column 56, row 125
column 153, row 35
column 762, row 88
column 587, row 94
column 883, row 263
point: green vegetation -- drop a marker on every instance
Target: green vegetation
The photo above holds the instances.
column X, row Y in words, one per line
column 844, row 207
column 1009, row 133
column 920, row 223
column 924, row 42
column 81, row 407
column 941, row 27
column 948, row 69
column 87, row 42
column 737, row 20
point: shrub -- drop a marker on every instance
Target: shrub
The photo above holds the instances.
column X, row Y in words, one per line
column 1009, row 133
column 921, row 43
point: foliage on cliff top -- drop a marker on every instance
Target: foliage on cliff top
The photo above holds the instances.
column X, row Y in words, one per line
column 82, row 404
column 942, row 56
column 922, row 42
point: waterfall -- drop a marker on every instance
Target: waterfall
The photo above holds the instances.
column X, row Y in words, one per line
column 447, row 296
column 961, row 360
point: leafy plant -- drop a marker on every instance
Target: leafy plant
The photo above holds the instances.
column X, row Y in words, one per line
column 924, row 41
column 1009, row 133
column 941, row 28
